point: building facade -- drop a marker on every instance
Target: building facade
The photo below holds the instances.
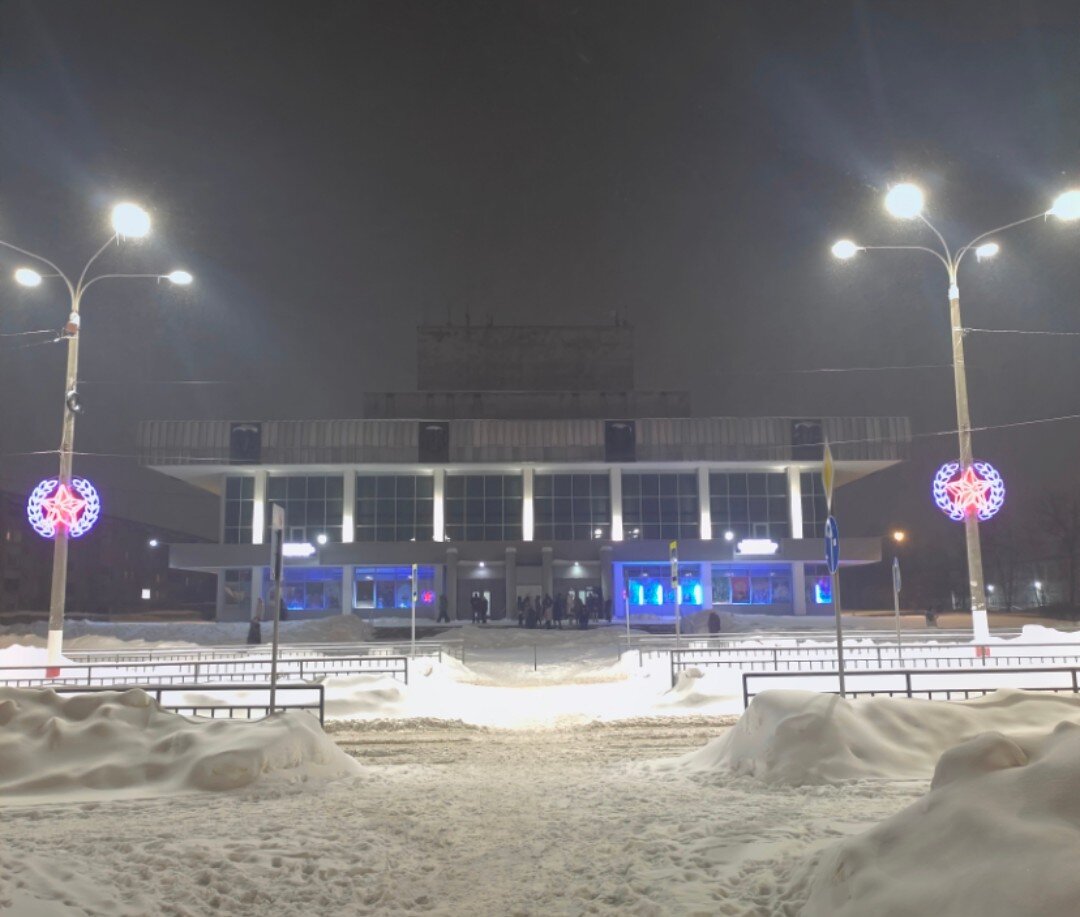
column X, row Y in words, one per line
column 509, row 508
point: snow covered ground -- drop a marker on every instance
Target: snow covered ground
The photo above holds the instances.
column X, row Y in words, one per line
column 587, row 785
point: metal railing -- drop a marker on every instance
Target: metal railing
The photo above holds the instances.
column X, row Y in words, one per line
column 880, row 656
column 917, row 683
column 295, row 650
column 105, row 674
column 161, row 694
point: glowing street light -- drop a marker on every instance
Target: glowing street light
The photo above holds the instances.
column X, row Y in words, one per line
column 899, row 536
column 845, row 249
column 729, row 535
column 904, row 201
column 321, row 538
column 907, row 201
column 27, row 277
column 1066, row 206
column 128, row 221
column 153, row 542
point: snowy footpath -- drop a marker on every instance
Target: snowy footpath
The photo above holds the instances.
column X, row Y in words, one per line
column 585, row 786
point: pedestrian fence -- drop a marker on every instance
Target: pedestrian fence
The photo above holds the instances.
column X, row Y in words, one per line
column 932, row 684
column 211, row 671
column 256, row 699
column 879, row 656
column 290, row 651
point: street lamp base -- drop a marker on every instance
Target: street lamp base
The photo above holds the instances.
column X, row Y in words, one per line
column 56, row 644
column 980, row 625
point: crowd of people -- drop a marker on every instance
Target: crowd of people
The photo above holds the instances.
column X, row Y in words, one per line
column 547, row 612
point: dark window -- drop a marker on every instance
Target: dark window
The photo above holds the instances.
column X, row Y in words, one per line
column 483, row 507
column 239, row 505
column 245, row 443
column 434, row 442
column 751, row 505
column 660, row 506
column 619, row 441
column 806, row 440
column 813, row 501
column 571, row 507
column 313, row 505
column 394, row 507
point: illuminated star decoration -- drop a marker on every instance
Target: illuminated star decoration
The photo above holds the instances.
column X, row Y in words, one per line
column 978, row 490
column 52, row 506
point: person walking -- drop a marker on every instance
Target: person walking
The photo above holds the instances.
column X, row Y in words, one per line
column 558, row 609
column 549, row 617
column 444, row 609
column 581, row 613
column 254, row 637
column 483, row 610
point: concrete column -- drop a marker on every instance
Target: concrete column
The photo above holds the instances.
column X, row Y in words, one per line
column 438, row 512
column 348, row 510
column 706, row 585
column 451, row 582
column 798, row 588
column 547, row 578
column 794, row 487
column 704, row 503
column 527, row 515
column 256, row 588
column 220, row 598
column 616, row 504
column 606, row 580
column 258, row 509
column 348, row 577
column 510, row 571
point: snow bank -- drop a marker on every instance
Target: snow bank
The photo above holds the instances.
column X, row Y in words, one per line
column 999, row 833
column 141, row 634
column 800, row 737
column 122, row 743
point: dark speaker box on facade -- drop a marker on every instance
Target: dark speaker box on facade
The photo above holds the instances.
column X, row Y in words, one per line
column 245, row 443
column 434, row 442
column 619, row 441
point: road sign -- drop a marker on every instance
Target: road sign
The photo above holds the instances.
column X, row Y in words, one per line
column 673, row 549
column 896, row 575
column 828, row 474
column 832, row 544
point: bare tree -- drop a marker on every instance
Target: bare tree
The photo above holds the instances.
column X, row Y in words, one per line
column 1059, row 520
column 1002, row 547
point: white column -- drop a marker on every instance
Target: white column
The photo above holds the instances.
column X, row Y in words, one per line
column 438, row 512
column 704, row 503
column 798, row 588
column 706, row 585
column 616, row 504
column 348, row 512
column 794, row 486
column 527, row 516
column 258, row 509
column 256, row 588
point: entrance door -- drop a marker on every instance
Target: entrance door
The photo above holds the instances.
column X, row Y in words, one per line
column 465, row 611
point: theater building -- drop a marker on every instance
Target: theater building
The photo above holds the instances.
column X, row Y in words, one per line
column 493, row 484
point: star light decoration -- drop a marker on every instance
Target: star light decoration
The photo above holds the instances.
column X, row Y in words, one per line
column 52, row 506
column 977, row 490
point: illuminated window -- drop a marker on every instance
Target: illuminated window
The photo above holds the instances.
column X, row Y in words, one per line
column 750, row 505
column 391, row 587
column 757, row 585
column 814, row 511
column 650, row 584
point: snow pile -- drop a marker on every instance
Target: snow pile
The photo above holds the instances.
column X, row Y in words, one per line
column 122, row 743
column 87, row 635
column 999, row 833
column 802, row 738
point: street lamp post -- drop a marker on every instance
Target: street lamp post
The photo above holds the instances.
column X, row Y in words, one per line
column 906, row 202
column 128, row 221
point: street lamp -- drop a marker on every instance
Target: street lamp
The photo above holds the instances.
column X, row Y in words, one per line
column 906, row 201
column 129, row 221
column 899, row 536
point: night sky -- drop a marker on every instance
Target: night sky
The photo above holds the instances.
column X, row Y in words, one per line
column 335, row 173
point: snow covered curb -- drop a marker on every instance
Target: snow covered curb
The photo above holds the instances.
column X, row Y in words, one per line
column 121, row 743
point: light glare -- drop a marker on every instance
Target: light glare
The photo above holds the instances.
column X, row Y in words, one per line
column 904, row 200
column 130, row 221
column 987, row 250
column 180, row 278
column 1067, row 206
column 27, row 277
column 845, row 249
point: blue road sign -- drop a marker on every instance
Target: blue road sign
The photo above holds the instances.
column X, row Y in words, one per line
column 832, row 544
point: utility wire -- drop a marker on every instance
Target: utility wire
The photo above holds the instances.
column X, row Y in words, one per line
column 1064, row 334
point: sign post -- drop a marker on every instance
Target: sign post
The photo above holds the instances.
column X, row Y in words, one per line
column 277, row 539
column 832, row 557
column 415, row 586
column 896, row 605
column 673, row 551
